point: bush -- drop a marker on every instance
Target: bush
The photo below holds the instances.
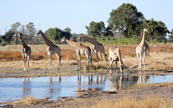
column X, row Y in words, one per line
column 119, row 41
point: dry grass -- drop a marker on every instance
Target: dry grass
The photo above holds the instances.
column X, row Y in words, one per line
column 12, row 52
column 27, row 101
column 131, row 102
column 161, row 58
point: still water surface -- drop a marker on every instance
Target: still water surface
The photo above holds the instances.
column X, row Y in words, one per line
column 56, row 87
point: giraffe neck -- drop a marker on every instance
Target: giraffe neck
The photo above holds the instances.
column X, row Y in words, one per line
column 90, row 40
column 23, row 43
column 47, row 41
column 143, row 38
column 72, row 43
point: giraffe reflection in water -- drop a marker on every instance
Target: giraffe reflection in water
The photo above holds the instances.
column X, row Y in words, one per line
column 82, row 84
column 51, row 89
column 26, row 89
column 142, row 78
column 92, row 80
column 115, row 82
column 120, row 81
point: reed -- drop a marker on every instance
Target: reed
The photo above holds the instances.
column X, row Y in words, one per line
column 132, row 102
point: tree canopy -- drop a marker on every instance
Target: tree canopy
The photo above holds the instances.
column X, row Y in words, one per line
column 56, row 33
column 171, row 36
column 157, row 30
column 126, row 19
column 96, row 29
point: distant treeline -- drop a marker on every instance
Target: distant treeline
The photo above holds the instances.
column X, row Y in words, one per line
column 125, row 26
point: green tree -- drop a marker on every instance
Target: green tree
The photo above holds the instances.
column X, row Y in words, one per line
column 67, row 32
column 30, row 29
column 126, row 19
column 54, row 33
column 57, row 34
column 171, row 36
column 7, row 37
column 108, row 32
column 157, row 30
column 96, row 29
column 74, row 37
column 67, row 29
column 14, row 28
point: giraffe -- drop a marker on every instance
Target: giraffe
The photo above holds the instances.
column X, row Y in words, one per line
column 115, row 55
column 26, row 51
column 51, row 49
column 80, row 50
column 141, row 49
column 95, row 46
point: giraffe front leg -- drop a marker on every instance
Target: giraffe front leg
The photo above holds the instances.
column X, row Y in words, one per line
column 116, row 66
column 79, row 63
column 50, row 59
column 89, row 60
column 110, row 72
column 28, row 62
column 78, row 59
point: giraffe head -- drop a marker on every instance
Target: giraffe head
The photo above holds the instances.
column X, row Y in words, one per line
column 20, row 34
column 145, row 29
column 39, row 32
column 81, row 36
column 63, row 39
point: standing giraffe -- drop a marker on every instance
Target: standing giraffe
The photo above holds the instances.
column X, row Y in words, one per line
column 95, row 46
column 115, row 55
column 80, row 50
column 26, row 51
column 141, row 49
column 51, row 49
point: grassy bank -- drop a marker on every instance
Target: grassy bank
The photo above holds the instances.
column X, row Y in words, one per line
column 131, row 102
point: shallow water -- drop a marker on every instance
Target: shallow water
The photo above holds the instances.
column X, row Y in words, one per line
column 56, row 87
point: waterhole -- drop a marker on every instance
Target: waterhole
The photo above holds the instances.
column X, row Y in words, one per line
column 69, row 86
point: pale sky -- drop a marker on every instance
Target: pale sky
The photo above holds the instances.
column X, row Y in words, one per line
column 76, row 14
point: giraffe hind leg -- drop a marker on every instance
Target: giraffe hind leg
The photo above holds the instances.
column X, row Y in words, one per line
column 138, row 57
column 24, row 60
column 28, row 62
column 144, row 55
column 59, row 59
column 100, row 56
